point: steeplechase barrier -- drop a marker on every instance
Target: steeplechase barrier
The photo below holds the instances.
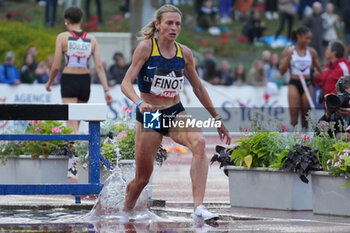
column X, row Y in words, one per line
column 92, row 113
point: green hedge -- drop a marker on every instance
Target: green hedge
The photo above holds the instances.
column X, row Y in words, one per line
column 17, row 36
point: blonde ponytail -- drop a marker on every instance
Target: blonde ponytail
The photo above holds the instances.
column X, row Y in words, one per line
column 150, row 30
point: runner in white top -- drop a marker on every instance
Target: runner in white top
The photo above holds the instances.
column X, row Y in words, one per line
column 301, row 58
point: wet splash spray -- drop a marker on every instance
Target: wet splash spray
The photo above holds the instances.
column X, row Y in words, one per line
column 110, row 202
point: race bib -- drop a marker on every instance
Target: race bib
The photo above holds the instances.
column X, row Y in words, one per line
column 79, row 47
column 167, row 84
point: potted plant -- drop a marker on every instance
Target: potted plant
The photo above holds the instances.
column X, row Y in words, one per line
column 33, row 162
column 262, row 166
column 252, row 181
column 331, row 187
column 277, row 156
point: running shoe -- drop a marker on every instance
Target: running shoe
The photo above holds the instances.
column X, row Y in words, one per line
column 202, row 212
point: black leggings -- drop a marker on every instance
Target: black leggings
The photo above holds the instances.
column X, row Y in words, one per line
column 284, row 17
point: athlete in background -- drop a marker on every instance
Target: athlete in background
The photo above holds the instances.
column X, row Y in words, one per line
column 299, row 59
column 77, row 47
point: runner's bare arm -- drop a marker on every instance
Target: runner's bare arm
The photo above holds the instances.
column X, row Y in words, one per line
column 140, row 56
column 56, row 61
column 286, row 57
column 201, row 92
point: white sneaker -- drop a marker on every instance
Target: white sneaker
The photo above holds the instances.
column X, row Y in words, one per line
column 124, row 216
column 225, row 20
column 222, row 20
column 202, row 212
column 214, row 31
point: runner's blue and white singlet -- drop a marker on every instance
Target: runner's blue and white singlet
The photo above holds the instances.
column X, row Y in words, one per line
column 161, row 76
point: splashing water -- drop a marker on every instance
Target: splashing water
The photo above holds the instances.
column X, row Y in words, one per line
column 110, row 202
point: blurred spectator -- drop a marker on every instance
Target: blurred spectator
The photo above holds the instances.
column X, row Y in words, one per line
column 314, row 22
column 254, row 27
column 271, row 9
column 242, row 6
column 239, row 75
column 304, row 7
column 8, row 71
column 256, row 76
column 34, row 51
column 44, row 69
column 118, row 69
column 197, row 6
column 99, row 10
column 209, row 67
column 28, row 70
column 42, row 72
column 273, row 73
column 207, row 17
column 225, row 11
column 340, row 4
column 266, row 57
column 50, row 5
column 199, row 69
column 225, row 74
column 337, row 67
column 346, row 20
column 70, row 3
column 287, row 11
column 125, row 8
column 330, row 24
column 94, row 75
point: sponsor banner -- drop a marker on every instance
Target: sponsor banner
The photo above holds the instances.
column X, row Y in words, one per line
column 230, row 102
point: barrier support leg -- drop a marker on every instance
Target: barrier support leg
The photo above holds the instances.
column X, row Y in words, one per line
column 77, row 199
column 94, row 152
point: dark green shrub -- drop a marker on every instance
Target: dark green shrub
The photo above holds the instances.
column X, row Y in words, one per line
column 17, row 36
